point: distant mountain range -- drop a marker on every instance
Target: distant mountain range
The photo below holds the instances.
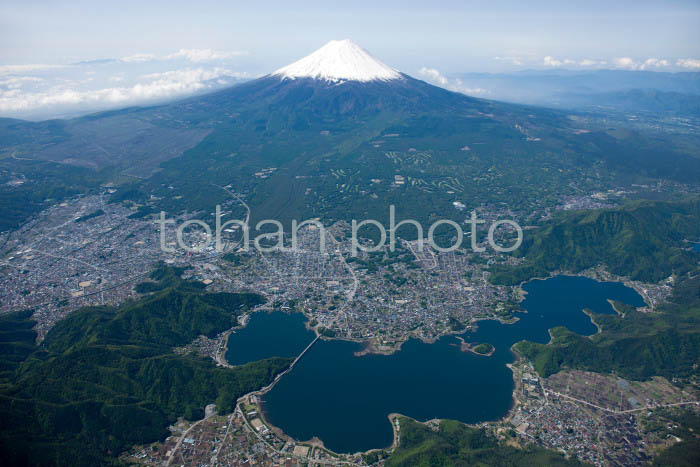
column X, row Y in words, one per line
column 617, row 89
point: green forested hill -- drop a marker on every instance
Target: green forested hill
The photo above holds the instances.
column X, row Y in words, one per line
column 636, row 346
column 106, row 378
column 643, row 241
column 687, row 452
column 456, row 444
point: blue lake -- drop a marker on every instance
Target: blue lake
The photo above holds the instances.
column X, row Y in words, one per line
column 344, row 400
column 271, row 334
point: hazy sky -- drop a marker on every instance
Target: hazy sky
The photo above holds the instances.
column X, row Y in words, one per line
column 212, row 41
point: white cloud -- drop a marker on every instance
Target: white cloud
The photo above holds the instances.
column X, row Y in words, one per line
column 433, row 75
column 693, row 63
column 193, row 75
column 653, row 63
column 625, row 62
column 153, row 87
column 17, row 82
column 551, row 61
column 459, row 86
column 192, row 55
column 518, row 61
column 628, row 63
column 34, row 90
column 15, row 69
column 138, row 58
column 589, row 62
column 204, row 55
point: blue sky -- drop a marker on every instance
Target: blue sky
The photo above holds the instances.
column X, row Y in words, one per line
column 210, row 42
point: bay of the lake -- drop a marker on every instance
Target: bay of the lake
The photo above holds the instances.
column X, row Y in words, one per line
column 269, row 334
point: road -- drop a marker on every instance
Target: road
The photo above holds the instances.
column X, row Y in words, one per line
column 245, row 205
column 184, row 435
column 621, row 412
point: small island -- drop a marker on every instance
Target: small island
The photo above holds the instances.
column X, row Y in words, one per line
column 484, row 349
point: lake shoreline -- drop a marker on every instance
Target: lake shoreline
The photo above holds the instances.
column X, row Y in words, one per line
column 442, row 408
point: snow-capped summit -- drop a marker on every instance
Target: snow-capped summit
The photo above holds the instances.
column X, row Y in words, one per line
column 339, row 61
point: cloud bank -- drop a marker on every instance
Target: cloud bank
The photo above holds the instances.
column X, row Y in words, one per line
column 623, row 63
column 692, row 63
column 150, row 87
column 191, row 55
column 49, row 90
column 204, row 55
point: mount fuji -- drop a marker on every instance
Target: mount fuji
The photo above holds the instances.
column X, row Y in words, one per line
column 339, row 134
column 339, row 125
column 339, row 79
column 339, row 61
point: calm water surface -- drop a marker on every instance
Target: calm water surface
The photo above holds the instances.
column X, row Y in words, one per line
column 344, row 400
column 269, row 334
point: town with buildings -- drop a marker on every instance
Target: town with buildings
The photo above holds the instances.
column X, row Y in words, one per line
column 87, row 251
column 599, row 419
